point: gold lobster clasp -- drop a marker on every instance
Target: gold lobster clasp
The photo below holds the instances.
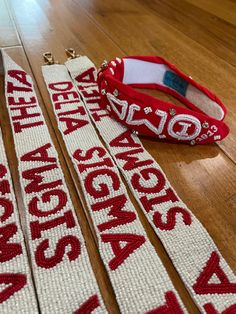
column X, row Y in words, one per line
column 49, row 59
column 71, row 53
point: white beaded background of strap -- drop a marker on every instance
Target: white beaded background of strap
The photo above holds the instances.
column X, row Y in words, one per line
column 139, row 279
column 17, row 293
column 202, row 268
column 63, row 274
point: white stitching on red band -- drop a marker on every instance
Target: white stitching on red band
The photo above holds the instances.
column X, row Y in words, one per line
column 63, row 275
column 193, row 125
column 138, row 277
column 204, row 271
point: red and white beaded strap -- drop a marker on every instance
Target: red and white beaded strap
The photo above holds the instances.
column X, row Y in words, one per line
column 204, row 271
column 63, row 275
column 17, row 293
column 138, row 277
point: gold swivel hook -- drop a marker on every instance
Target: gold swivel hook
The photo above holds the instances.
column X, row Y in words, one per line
column 71, row 53
column 49, row 58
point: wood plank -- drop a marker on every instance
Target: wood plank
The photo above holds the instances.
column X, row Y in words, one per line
column 203, row 176
column 137, row 31
column 213, row 33
column 17, row 54
column 8, row 34
column 223, row 9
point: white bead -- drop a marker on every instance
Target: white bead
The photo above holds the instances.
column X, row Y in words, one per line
column 115, row 92
column 205, row 125
column 172, row 112
column 147, row 110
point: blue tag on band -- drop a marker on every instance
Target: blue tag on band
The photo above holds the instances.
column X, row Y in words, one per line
column 175, row 82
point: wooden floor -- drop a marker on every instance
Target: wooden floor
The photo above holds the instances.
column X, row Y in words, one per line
column 199, row 36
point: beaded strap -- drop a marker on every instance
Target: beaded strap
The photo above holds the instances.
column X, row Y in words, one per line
column 138, row 277
column 16, row 288
column 202, row 268
column 63, row 275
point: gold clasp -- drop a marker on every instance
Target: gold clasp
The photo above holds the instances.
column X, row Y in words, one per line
column 71, row 53
column 49, row 59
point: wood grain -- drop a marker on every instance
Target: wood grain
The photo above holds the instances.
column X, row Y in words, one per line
column 200, row 40
column 225, row 11
column 8, row 33
column 211, row 32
